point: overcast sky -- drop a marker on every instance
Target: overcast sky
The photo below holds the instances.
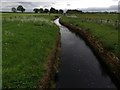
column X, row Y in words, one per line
column 86, row 5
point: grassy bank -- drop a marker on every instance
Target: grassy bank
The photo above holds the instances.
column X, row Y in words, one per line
column 113, row 17
column 106, row 34
column 103, row 39
column 27, row 41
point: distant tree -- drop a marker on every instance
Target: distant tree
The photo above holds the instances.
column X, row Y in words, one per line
column 60, row 11
column 36, row 10
column 14, row 9
column 41, row 10
column 113, row 12
column 52, row 10
column 56, row 11
column 46, row 11
column 74, row 11
column 80, row 11
column 20, row 8
column 106, row 12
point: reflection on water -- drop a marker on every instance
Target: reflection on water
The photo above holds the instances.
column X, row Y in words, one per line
column 79, row 67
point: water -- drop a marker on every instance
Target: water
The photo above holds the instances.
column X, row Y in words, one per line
column 79, row 67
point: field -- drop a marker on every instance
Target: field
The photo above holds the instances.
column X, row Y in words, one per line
column 112, row 17
column 27, row 42
column 106, row 33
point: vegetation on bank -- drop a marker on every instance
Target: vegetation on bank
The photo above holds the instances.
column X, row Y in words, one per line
column 29, row 38
column 99, row 16
column 27, row 41
column 105, row 33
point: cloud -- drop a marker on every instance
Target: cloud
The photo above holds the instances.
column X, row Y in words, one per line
column 68, row 4
column 94, row 5
column 29, row 6
column 116, row 0
column 114, row 7
column 13, row 1
column 96, row 9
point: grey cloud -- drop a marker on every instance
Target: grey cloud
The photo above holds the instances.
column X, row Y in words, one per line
column 6, row 6
column 96, row 9
column 13, row 1
column 114, row 7
column 47, row 6
column 115, row 0
column 53, row 3
column 25, row 2
column 29, row 6
column 68, row 4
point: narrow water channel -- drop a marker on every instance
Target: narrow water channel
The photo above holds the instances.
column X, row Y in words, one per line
column 79, row 67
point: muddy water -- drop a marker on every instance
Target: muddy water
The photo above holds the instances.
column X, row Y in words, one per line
column 79, row 67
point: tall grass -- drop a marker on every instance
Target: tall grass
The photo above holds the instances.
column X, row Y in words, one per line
column 27, row 42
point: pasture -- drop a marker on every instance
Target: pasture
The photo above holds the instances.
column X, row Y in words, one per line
column 27, row 41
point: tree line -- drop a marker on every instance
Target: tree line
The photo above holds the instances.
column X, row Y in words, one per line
column 36, row 10
column 41, row 10
column 53, row 10
column 19, row 8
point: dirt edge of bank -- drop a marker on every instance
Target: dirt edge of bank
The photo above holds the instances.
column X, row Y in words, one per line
column 52, row 66
column 106, row 57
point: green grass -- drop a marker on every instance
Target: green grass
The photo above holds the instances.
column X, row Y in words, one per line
column 27, row 42
column 112, row 17
column 106, row 34
column 15, row 15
